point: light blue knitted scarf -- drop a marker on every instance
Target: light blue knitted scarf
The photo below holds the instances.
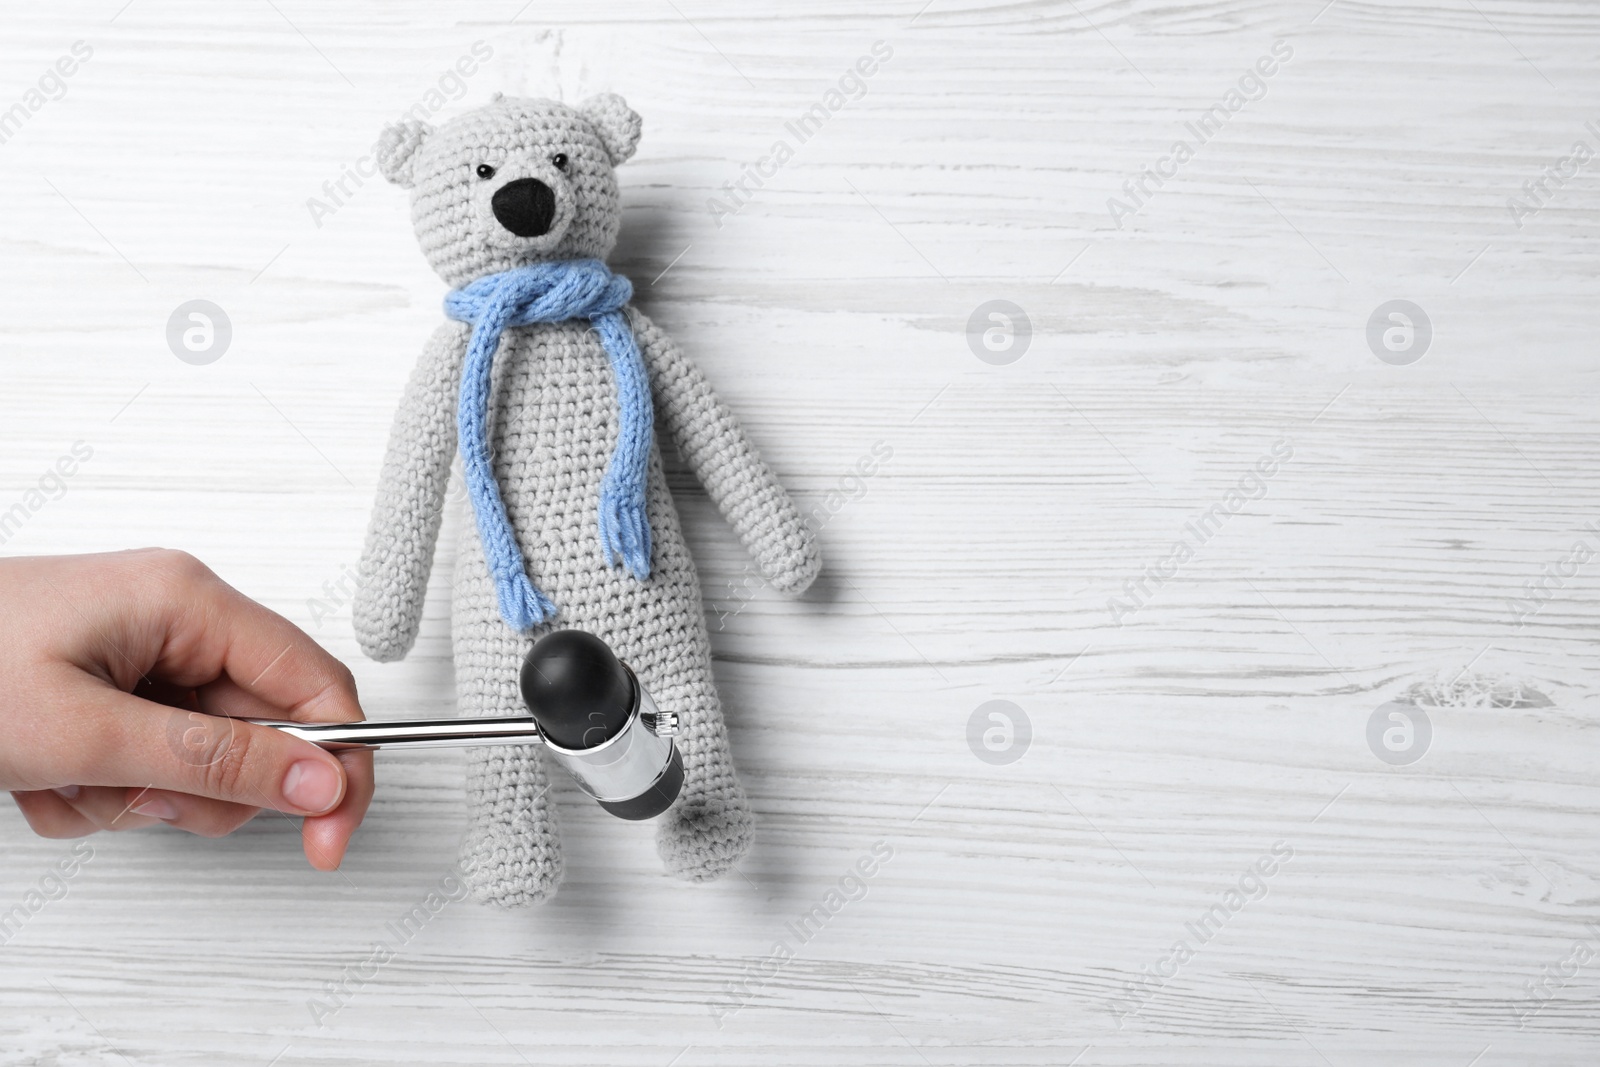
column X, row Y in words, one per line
column 553, row 292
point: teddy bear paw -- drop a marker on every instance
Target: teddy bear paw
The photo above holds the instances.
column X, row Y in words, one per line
column 704, row 836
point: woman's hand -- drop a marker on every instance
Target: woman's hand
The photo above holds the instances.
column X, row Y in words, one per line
column 116, row 672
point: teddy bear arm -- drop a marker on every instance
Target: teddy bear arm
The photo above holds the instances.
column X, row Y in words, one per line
column 406, row 514
column 713, row 444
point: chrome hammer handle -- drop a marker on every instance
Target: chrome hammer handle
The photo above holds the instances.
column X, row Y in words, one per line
column 416, row 733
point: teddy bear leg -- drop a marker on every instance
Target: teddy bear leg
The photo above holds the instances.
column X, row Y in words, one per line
column 511, row 855
column 710, row 827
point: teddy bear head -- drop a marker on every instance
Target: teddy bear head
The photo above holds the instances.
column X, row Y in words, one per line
column 516, row 182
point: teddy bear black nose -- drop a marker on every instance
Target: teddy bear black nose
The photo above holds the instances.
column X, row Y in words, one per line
column 526, row 207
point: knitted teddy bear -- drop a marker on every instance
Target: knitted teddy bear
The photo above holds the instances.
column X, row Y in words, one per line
column 550, row 386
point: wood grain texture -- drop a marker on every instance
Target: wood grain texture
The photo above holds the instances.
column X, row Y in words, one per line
column 1226, row 716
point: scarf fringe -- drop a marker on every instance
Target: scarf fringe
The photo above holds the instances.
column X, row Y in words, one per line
column 625, row 536
column 522, row 605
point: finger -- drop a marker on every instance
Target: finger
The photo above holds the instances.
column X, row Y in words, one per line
column 227, row 697
column 213, row 631
column 163, row 615
column 196, row 815
column 109, row 807
column 49, row 815
column 124, row 739
column 221, row 697
column 326, row 838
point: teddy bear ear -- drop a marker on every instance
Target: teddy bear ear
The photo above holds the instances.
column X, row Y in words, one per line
column 397, row 150
column 617, row 124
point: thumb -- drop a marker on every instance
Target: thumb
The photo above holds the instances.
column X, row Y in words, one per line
column 140, row 743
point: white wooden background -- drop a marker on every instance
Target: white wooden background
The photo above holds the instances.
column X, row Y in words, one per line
column 1168, row 754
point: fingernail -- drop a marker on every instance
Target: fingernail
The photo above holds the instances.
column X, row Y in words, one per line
column 156, row 808
column 66, row 792
column 312, row 785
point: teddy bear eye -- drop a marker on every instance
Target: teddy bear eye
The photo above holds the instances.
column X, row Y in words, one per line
column 485, row 171
column 560, row 160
